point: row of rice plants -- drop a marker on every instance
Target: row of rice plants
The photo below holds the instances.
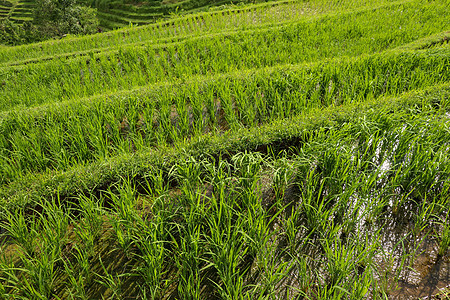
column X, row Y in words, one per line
column 61, row 137
column 306, row 15
column 197, row 24
column 312, row 224
column 278, row 135
column 56, row 80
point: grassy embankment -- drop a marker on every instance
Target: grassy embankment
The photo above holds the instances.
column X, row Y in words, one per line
column 302, row 158
column 17, row 11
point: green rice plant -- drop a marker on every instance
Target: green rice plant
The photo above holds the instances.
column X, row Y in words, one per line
column 293, row 229
column 152, row 238
column 189, row 175
column 2, row 290
column 77, row 282
column 119, row 127
column 270, row 41
column 112, row 282
column 423, row 217
column 39, row 272
column 151, row 245
column 256, row 230
column 40, row 257
column 22, row 230
column 301, row 284
column 248, row 166
column 187, row 237
column 79, row 272
column 226, row 252
column 91, row 224
column 273, row 272
column 10, row 280
column 188, row 254
column 283, row 173
column 218, row 174
column 391, row 272
column 183, row 115
column 443, row 235
column 55, row 221
column 123, row 234
column 345, row 264
column 188, row 263
column 156, row 185
column 124, row 216
column 314, row 205
column 124, row 202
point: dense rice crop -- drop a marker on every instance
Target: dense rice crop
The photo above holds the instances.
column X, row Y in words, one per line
column 269, row 14
column 257, row 158
column 53, row 137
column 132, row 67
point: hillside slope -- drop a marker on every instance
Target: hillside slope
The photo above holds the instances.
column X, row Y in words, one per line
column 281, row 150
column 17, row 11
column 117, row 14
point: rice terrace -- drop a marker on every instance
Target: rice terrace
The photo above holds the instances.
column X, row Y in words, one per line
column 213, row 150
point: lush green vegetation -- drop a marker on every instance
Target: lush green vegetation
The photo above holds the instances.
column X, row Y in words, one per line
column 121, row 13
column 17, row 11
column 37, row 20
column 247, row 17
column 110, row 14
column 58, row 137
column 131, row 66
column 291, row 150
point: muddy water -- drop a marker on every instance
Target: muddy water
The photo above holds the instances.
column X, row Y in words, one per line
column 429, row 276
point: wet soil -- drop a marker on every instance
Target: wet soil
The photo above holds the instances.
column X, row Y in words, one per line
column 429, row 276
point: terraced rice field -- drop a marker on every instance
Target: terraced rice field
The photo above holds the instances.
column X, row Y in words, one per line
column 17, row 11
column 121, row 15
column 118, row 14
column 284, row 150
column 5, row 8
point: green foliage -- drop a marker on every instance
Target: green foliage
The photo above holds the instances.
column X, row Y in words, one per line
column 55, row 18
column 289, row 150
column 131, row 67
column 51, row 19
column 200, row 24
column 161, row 115
column 12, row 33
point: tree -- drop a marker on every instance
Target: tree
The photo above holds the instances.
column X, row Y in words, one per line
column 14, row 34
column 55, row 18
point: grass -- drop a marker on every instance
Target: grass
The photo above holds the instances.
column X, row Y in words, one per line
column 176, row 27
column 128, row 68
column 230, row 155
column 263, row 15
column 135, row 121
column 217, row 228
